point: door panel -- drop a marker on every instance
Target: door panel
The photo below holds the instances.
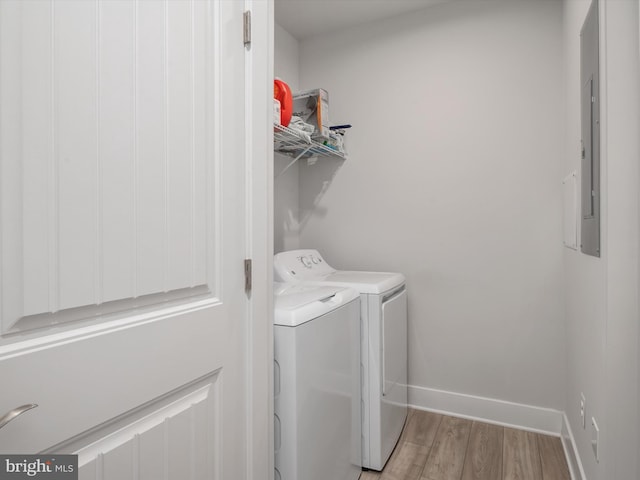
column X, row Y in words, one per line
column 123, row 234
column 113, row 188
column 82, row 382
column 74, row 163
column 171, row 438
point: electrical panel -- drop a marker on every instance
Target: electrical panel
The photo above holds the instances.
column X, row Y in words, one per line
column 590, row 129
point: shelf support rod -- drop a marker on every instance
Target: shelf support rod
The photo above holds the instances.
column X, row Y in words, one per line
column 295, row 160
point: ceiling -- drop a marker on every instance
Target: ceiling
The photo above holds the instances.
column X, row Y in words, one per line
column 308, row 18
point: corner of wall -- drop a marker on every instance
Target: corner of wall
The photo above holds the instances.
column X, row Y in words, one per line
column 286, row 199
column 571, row 451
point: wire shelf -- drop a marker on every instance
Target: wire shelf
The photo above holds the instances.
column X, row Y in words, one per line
column 289, row 142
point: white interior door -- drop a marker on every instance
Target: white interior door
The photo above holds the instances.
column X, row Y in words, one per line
column 123, row 217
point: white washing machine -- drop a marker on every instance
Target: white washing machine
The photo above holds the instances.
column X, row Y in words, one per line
column 317, row 383
column 383, row 301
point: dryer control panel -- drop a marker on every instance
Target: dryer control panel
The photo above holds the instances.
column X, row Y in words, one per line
column 296, row 265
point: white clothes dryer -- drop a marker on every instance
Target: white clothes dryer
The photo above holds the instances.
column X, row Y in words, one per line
column 317, row 383
column 383, row 302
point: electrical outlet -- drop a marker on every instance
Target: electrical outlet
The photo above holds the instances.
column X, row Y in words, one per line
column 595, row 438
column 583, row 411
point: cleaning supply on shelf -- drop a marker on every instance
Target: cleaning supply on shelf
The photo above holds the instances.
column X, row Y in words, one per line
column 301, row 126
column 277, row 112
column 335, row 142
column 313, row 107
column 282, row 93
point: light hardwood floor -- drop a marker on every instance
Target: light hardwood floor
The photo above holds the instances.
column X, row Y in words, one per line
column 438, row 447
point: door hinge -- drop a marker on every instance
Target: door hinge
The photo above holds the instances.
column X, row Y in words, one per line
column 247, row 28
column 247, row 275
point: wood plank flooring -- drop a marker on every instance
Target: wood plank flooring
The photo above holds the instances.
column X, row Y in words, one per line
column 438, row 447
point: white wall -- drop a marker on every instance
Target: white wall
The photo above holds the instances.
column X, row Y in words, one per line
column 602, row 294
column 454, row 180
column 286, row 229
column 584, row 276
column 622, row 150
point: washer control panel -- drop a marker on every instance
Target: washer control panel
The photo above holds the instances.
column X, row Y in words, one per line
column 308, row 261
column 300, row 265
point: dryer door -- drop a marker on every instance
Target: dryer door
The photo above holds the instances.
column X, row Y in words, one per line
column 394, row 348
column 393, row 401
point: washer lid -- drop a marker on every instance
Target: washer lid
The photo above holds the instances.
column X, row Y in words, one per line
column 296, row 304
column 365, row 282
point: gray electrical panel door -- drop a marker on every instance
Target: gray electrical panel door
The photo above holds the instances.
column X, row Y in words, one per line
column 590, row 120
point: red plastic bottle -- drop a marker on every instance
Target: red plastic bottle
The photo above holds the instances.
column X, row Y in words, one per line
column 282, row 92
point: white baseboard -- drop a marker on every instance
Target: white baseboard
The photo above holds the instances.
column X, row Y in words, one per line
column 571, row 451
column 508, row 414
column 489, row 410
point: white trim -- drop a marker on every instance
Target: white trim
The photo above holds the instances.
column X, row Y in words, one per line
column 571, row 451
column 259, row 201
column 525, row 417
column 122, row 320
